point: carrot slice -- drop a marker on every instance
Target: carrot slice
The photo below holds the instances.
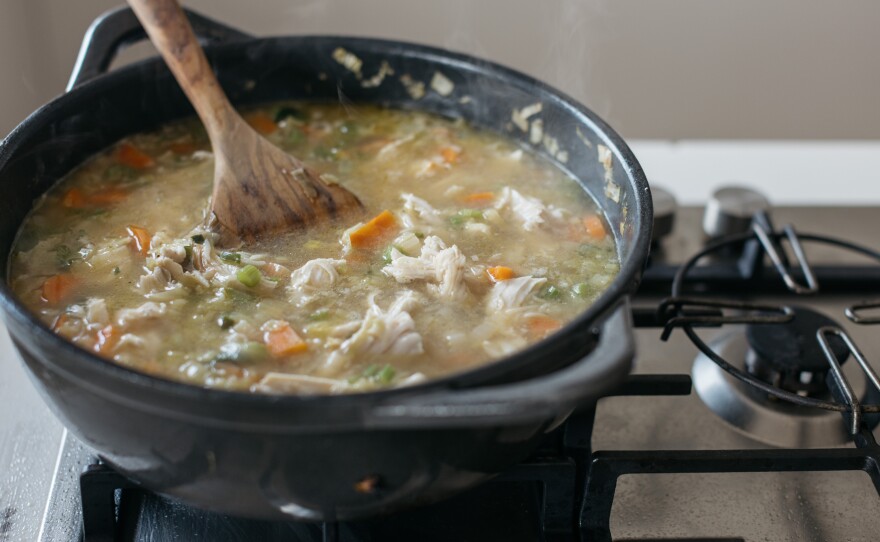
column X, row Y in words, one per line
column 129, row 155
column 282, row 341
column 370, row 234
column 74, row 199
column 595, row 228
column 108, row 196
column 480, row 199
column 58, row 287
column 261, row 123
column 450, row 154
column 141, row 239
column 106, row 340
column 541, row 326
column 499, row 273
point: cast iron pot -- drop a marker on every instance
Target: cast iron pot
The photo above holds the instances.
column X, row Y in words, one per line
column 325, row 457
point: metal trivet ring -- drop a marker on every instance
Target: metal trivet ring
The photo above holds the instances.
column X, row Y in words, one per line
column 676, row 309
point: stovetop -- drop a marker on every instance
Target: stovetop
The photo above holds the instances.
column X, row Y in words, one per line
column 40, row 463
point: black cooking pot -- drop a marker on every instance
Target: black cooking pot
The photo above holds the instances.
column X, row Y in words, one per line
column 324, row 457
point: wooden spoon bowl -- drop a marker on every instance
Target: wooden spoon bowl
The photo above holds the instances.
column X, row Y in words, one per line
column 258, row 188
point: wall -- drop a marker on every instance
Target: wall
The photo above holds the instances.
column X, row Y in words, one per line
column 662, row 69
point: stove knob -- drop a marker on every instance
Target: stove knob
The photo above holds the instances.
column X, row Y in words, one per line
column 730, row 210
column 664, row 212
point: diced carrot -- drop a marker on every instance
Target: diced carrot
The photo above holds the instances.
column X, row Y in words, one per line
column 499, row 273
column 541, row 326
column 74, row 199
column 58, row 287
column 450, row 154
column 182, row 147
column 370, row 234
column 60, row 321
column 480, row 199
column 282, row 341
column 261, row 123
column 108, row 196
column 106, row 340
column 141, row 239
column 595, row 228
column 129, row 155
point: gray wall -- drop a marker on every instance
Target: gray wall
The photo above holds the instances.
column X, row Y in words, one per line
column 665, row 69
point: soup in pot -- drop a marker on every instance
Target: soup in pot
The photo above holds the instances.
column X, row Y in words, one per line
column 471, row 248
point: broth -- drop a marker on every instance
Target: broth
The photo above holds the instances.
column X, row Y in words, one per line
column 471, row 249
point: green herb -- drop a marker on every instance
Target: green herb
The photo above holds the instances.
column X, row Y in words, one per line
column 370, row 371
column 288, row 112
column 386, row 254
column 225, row 321
column 242, row 353
column 230, row 257
column 550, row 292
column 459, row 218
column 581, row 289
column 238, row 296
column 65, row 257
column 419, row 234
column 249, row 276
column 319, row 315
column 116, row 270
column 386, row 374
column 198, row 238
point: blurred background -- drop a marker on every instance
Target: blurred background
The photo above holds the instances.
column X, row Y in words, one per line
column 782, row 95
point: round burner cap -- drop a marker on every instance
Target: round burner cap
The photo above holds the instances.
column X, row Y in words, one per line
column 793, row 347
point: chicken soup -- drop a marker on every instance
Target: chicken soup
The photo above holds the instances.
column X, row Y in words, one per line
column 471, row 248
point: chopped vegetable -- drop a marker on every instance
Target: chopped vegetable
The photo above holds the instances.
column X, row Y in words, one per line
column 581, row 289
column 140, row 237
column 261, row 123
column 595, row 228
column 198, row 238
column 386, row 374
column 65, row 256
column 450, row 154
column 230, row 257
column 58, row 288
column 74, row 199
column 188, row 250
column 550, row 292
column 129, row 155
column 282, row 340
column 540, row 326
column 249, row 275
column 373, row 373
column 499, row 273
column 464, row 215
column 249, row 352
column 481, row 199
column 370, row 234
column 319, row 315
column 116, row 270
column 108, row 196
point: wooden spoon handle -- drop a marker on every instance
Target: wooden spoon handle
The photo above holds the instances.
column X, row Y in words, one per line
column 171, row 33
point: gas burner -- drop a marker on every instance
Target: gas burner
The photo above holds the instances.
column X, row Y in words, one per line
column 787, row 356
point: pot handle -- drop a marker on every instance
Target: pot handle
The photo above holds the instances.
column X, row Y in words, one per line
column 118, row 28
column 543, row 398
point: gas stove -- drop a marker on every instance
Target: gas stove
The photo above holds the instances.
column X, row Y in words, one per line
column 762, row 428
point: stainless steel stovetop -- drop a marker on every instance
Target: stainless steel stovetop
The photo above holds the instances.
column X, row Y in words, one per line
column 40, row 462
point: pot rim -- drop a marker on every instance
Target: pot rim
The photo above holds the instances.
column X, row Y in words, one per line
column 624, row 283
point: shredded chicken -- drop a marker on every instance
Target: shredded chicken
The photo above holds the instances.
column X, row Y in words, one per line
column 316, row 275
column 299, row 384
column 147, row 311
column 437, row 263
column 510, row 294
column 391, row 331
column 418, row 214
column 527, row 210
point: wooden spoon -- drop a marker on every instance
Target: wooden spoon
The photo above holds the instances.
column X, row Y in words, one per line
column 258, row 188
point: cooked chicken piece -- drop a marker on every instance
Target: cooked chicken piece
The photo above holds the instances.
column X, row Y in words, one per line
column 147, row 311
column 510, row 294
column 299, row 384
column 317, row 273
column 96, row 312
column 527, row 210
column 437, row 263
column 418, row 214
column 380, row 332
